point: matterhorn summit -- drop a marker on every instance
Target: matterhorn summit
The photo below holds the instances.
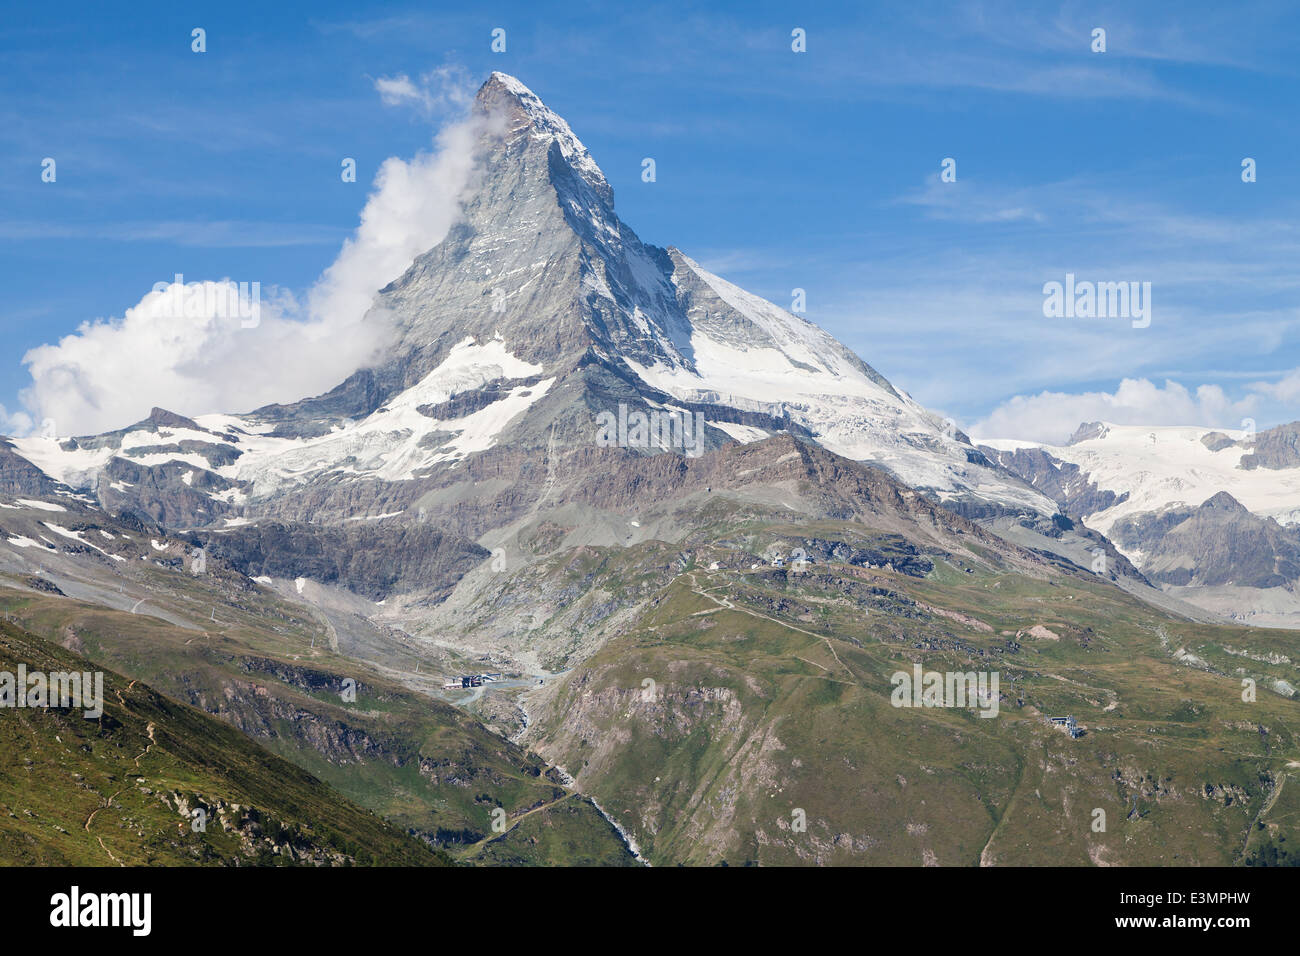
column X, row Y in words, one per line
column 538, row 316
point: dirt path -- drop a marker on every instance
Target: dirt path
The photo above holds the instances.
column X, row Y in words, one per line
column 1022, row 782
column 475, row 848
column 108, row 803
column 1272, row 799
column 1267, row 805
column 90, row 819
column 148, row 730
column 108, row 851
column 120, row 699
column 723, row 602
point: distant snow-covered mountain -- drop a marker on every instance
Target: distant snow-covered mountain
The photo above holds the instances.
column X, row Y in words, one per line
column 1148, row 468
column 1210, row 515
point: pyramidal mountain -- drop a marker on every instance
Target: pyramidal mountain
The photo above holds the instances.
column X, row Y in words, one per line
column 539, row 311
column 611, row 546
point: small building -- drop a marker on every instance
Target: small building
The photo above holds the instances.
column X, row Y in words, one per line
column 1068, row 724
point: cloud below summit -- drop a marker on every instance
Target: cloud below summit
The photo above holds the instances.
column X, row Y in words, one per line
column 110, row 372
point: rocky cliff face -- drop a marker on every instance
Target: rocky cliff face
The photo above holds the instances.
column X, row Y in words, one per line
column 1062, row 481
column 1218, row 543
column 1274, row 448
column 369, row 560
column 18, row 476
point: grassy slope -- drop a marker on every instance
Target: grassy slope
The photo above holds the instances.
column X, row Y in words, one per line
column 755, row 718
column 563, row 830
column 420, row 763
column 117, row 790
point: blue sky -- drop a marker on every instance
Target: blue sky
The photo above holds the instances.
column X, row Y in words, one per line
column 816, row 170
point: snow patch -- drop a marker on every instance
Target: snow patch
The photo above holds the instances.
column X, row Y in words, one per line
column 41, row 505
column 741, row 433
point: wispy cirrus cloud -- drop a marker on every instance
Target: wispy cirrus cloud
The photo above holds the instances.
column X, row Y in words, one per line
column 436, row 91
column 973, row 202
column 372, row 28
column 212, row 233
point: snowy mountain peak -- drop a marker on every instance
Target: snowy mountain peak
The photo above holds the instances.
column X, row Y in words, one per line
column 1087, row 431
column 538, row 312
column 524, row 113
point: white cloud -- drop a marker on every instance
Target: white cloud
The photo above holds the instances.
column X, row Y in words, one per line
column 16, row 423
column 965, row 201
column 1051, row 417
column 410, row 210
column 244, row 234
column 447, row 87
column 109, row 373
column 1285, row 390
